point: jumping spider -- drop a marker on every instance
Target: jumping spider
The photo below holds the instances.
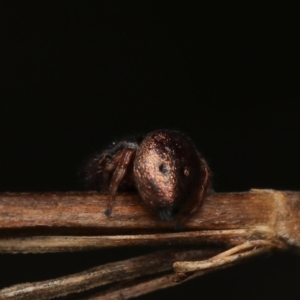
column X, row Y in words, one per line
column 164, row 166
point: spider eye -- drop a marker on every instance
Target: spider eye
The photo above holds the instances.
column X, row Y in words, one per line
column 163, row 168
column 186, row 172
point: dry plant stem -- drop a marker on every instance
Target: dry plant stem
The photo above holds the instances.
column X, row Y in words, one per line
column 130, row 291
column 233, row 255
column 48, row 222
column 222, row 260
column 251, row 223
column 45, row 244
column 137, row 290
column 98, row 276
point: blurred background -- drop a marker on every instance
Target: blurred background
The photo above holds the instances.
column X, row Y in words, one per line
column 78, row 75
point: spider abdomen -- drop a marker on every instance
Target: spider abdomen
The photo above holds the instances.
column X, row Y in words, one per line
column 167, row 172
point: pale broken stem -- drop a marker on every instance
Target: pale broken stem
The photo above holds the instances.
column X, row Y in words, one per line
column 233, row 255
column 95, row 277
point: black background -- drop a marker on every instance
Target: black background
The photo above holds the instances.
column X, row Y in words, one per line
column 77, row 76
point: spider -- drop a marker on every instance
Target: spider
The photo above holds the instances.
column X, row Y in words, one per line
column 164, row 166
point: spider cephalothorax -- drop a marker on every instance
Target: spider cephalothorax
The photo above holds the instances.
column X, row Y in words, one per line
column 164, row 166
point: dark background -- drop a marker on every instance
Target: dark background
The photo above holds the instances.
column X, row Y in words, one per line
column 77, row 76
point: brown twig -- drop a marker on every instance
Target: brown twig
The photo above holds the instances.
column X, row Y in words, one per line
column 74, row 221
column 254, row 222
column 113, row 272
column 129, row 290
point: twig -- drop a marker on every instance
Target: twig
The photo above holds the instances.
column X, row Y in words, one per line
column 228, row 218
column 252, row 223
column 102, row 275
column 230, row 256
column 135, row 289
column 46, row 244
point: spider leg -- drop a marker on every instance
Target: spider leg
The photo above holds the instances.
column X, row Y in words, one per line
column 205, row 183
column 230, row 257
column 115, row 154
column 205, row 186
column 109, row 168
column 120, row 163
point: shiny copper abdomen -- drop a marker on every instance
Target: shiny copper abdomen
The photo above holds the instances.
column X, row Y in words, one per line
column 167, row 172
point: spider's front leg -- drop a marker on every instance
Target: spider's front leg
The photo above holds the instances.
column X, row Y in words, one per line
column 119, row 163
column 232, row 256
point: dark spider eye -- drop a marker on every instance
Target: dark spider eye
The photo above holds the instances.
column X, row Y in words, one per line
column 186, row 172
column 163, row 168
